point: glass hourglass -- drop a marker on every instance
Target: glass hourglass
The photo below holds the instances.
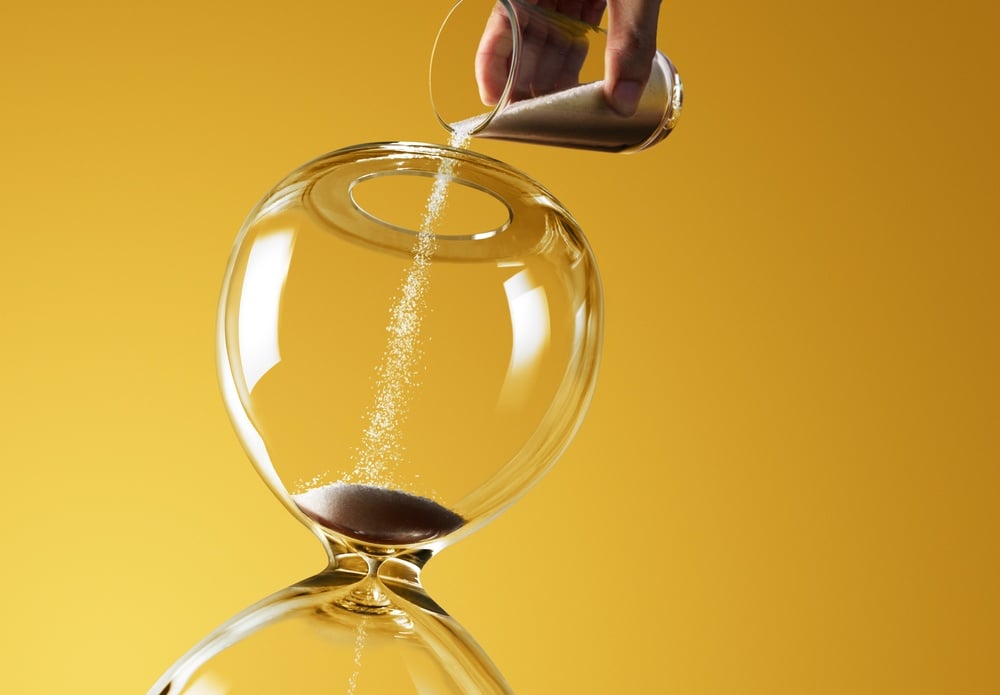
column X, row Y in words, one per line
column 408, row 338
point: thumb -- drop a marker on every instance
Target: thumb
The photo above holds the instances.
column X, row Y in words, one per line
column 630, row 50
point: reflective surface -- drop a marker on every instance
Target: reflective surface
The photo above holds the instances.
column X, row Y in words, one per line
column 408, row 338
column 458, row 385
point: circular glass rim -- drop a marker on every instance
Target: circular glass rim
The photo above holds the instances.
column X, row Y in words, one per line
column 414, row 233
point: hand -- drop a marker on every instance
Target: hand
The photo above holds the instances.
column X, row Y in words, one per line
column 551, row 61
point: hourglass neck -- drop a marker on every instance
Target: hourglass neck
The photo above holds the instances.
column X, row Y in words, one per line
column 369, row 584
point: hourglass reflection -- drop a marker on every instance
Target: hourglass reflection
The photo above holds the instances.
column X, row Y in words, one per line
column 408, row 339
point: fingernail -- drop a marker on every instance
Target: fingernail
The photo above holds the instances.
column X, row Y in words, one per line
column 626, row 97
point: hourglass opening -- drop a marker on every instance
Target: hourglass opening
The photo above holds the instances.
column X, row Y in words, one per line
column 398, row 199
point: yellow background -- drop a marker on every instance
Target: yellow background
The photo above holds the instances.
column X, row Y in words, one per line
column 788, row 481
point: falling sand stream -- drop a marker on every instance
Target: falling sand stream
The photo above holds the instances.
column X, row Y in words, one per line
column 368, row 504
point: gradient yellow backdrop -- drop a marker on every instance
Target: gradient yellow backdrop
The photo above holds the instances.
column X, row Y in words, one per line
column 788, row 481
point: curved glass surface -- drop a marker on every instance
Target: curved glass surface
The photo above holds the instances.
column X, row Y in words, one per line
column 409, row 336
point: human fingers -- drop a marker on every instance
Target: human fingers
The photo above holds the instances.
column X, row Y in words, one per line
column 534, row 51
column 556, row 51
column 549, row 48
column 574, row 47
column 496, row 48
column 629, row 55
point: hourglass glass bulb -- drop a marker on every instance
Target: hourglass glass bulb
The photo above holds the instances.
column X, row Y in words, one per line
column 397, row 380
column 395, row 385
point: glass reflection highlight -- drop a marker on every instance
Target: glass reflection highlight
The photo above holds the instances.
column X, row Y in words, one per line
column 260, row 303
column 531, row 334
